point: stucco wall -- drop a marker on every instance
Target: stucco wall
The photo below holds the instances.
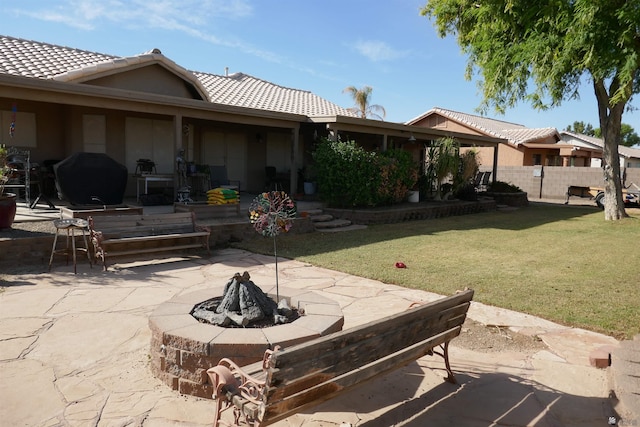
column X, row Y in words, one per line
column 555, row 180
column 507, row 155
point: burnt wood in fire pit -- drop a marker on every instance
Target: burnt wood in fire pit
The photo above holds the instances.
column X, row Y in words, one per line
column 243, row 303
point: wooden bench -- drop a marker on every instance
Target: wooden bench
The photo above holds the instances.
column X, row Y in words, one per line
column 293, row 379
column 117, row 235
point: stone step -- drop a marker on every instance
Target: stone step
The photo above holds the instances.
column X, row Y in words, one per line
column 328, row 224
column 334, row 223
column 351, row 227
column 321, row 218
column 311, row 212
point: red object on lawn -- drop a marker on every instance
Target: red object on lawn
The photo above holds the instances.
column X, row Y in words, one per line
column 400, row 265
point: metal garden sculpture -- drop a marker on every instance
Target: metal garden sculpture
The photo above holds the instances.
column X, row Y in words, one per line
column 271, row 213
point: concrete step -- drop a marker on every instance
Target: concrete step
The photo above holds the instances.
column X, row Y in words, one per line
column 624, row 374
column 351, row 227
column 334, row 223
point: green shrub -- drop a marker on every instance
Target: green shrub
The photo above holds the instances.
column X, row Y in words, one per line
column 503, row 187
column 350, row 176
column 398, row 174
column 466, row 191
column 344, row 172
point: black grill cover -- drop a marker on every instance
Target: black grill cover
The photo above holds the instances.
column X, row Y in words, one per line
column 83, row 177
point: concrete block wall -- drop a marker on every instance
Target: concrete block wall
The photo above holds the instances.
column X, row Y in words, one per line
column 555, row 180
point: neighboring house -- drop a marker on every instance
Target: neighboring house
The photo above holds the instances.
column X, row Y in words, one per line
column 523, row 146
column 629, row 156
column 64, row 100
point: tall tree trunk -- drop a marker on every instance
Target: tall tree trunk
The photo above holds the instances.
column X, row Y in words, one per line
column 610, row 124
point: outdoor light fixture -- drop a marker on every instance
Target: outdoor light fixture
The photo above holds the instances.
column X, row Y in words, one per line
column 412, row 138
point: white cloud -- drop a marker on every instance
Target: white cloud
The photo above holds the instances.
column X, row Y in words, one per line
column 164, row 14
column 378, row 51
column 194, row 18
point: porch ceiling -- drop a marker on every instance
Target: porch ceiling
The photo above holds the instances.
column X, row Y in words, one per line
column 565, row 149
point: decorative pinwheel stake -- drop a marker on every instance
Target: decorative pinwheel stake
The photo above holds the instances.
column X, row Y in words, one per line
column 271, row 214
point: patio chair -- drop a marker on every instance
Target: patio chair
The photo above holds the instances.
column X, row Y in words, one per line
column 483, row 181
column 273, row 182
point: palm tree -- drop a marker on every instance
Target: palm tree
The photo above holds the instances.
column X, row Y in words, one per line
column 445, row 161
column 362, row 97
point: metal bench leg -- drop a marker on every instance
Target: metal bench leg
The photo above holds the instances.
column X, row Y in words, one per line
column 86, row 246
column 445, row 355
column 450, row 377
column 53, row 249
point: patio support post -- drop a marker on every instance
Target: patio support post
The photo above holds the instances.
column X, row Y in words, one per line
column 177, row 143
column 295, row 150
column 495, row 163
column 333, row 132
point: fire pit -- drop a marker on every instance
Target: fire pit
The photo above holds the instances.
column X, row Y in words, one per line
column 183, row 347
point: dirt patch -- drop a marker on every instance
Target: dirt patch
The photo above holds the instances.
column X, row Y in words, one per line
column 492, row 339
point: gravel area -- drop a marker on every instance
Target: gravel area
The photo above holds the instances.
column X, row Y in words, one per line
column 28, row 229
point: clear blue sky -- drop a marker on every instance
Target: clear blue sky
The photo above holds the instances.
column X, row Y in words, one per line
column 320, row 46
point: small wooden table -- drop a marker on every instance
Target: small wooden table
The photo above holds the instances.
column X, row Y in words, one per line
column 150, row 178
column 70, row 225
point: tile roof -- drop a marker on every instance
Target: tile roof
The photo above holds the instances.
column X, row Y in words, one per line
column 515, row 133
column 43, row 61
column 46, row 61
column 624, row 151
column 243, row 90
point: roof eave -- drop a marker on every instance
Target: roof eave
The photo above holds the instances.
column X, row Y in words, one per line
column 401, row 129
column 84, row 90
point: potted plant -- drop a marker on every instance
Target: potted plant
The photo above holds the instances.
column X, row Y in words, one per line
column 7, row 200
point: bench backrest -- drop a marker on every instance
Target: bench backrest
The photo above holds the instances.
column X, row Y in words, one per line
column 315, row 371
column 115, row 226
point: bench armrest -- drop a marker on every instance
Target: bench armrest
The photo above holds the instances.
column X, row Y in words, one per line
column 233, row 385
column 197, row 227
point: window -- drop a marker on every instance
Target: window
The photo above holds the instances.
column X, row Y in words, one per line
column 537, row 159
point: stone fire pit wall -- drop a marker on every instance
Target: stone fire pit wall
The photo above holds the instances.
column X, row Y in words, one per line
column 182, row 349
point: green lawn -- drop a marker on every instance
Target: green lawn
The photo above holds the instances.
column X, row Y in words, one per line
column 563, row 263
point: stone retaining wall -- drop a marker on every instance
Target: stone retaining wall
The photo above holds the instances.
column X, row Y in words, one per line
column 412, row 211
column 36, row 250
column 510, row 199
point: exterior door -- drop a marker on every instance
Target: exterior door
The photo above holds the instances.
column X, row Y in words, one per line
column 229, row 149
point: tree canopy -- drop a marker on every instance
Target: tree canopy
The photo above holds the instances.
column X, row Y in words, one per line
column 542, row 52
column 628, row 135
column 363, row 107
column 582, row 128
